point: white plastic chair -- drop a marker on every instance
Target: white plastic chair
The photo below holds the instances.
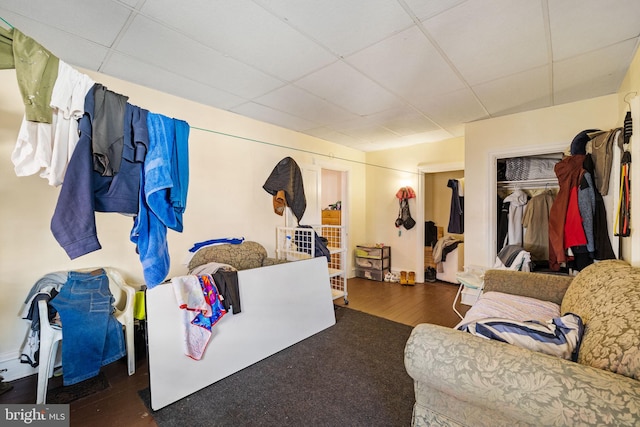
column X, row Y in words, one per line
column 51, row 335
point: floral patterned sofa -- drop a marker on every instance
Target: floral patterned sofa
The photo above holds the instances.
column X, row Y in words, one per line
column 464, row 380
column 241, row 256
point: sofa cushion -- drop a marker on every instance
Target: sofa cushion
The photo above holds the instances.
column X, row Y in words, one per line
column 606, row 295
column 244, row 256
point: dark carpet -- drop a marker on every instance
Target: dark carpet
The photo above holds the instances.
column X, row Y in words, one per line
column 351, row 374
column 67, row 394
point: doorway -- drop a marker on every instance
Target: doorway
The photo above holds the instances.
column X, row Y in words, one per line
column 423, row 193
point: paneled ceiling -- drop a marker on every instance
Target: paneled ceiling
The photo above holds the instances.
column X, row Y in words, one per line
column 368, row 74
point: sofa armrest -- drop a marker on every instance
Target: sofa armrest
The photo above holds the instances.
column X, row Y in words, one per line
column 529, row 387
column 273, row 261
column 547, row 287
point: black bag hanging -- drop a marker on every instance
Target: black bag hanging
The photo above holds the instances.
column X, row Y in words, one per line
column 407, row 221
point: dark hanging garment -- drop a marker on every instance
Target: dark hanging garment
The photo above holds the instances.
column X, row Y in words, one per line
column 430, row 233
column 456, row 213
column 286, row 176
column 503, row 223
column 602, row 243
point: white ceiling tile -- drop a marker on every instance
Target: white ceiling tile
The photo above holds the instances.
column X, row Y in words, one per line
column 592, row 74
column 364, row 129
column 342, row 85
column 135, row 71
column 342, row 26
column 295, row 101
column 408, row 65
column 240, row 55
column 94, row 20
column 579, row 26
column 421, row 138
column 245, row 31
column 130, row 3
column 74, row 51
column 172, row 51
column 528, row 90
column 426, row 9
column 452, row 108
column 403, row 121
column 508, row 39
column 269, row 115
column 455, row 130
column 331, row 135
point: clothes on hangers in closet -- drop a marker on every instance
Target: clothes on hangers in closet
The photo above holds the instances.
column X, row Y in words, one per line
column 568, row 171
column 517, row 202
column 536, row 224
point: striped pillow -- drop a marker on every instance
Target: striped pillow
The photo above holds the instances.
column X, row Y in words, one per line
column 559, row 336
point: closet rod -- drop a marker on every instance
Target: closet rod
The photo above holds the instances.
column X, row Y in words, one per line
column 528, row 185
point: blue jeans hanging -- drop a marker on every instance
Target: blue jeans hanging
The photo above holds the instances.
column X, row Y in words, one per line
column 91, row 335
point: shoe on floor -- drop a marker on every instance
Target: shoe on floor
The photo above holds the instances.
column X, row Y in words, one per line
column 430, row 274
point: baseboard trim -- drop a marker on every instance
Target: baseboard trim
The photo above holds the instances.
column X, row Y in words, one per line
column 15, row 370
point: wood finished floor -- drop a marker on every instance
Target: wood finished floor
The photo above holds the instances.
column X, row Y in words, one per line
column 120, row 404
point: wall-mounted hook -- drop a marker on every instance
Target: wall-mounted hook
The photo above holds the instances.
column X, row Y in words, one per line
column 625, row 98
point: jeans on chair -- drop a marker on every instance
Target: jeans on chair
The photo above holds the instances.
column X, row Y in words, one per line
column 91, row 335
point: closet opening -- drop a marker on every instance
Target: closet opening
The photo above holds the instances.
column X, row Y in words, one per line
column 517, row 177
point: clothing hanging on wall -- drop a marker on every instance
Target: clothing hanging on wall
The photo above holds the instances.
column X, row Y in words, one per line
column 286, row 176
column 601, row 147
column 456, row 212
column 101, row 164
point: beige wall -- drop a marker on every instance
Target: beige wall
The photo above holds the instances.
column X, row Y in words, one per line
column 225, row 199
column 386, row 172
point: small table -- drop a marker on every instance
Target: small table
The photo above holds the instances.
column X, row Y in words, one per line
column 471, row 278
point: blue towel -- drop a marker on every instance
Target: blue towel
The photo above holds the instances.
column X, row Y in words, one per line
column 149, row 231
column 180, row 172
column 157, row 167
column 150, row 236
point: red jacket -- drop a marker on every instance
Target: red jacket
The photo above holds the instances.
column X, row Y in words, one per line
column 568, row 170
